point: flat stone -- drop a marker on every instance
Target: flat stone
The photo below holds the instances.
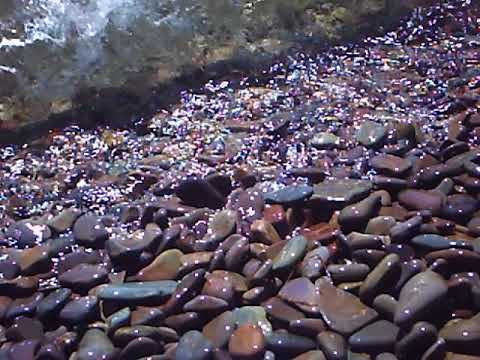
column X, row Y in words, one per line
column 194, row 346
column 422, row 200
column 290, row 254
column 300, row 291
column 381, row 278
column 88, row 230
column 311, row 355
column 351, row 272
column 255, row 315
column 462, row 335
column 325, row 141
column 64, row 220
column 286, row 344
column 434, row 242
column 24, row 328
column 219, row 330
column 380, row 225
column 199, row 193
column 205, row 303
column 307, row 327
column 421, row 336
column 247, row 342
column 280, row 311
column 459, row 208
column 80, row 311
column 83, row 277
column 138, row 292
column 289, row 195
column 333, row 345
column 342, row 311
column 420, row 297
column 355, row 217
column 95, row 345
column 140, row 347
column 378, row 337
column 371, row 134
column 390, row 165
column 164, row 267
column 53, row 303
column 340, row 192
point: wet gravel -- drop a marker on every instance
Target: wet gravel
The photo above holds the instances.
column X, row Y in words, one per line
column 327, row 209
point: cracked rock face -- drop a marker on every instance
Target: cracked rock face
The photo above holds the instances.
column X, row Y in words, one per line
column 51, row 51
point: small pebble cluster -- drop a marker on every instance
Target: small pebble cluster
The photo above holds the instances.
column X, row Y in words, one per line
column 325, row 209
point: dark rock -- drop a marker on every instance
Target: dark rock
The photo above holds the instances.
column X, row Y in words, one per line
column 199, row 193
column 88, row 230
column 378, row 337
column 285, row 344
column 194, row 346
column 355, row 217
column 289, row 195
column 420, row 297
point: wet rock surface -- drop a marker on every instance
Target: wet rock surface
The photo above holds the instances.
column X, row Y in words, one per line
column 343, row 226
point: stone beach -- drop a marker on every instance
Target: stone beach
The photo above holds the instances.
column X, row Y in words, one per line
column 327, row 208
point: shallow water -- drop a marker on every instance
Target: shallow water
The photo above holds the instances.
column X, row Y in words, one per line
column 50, row 50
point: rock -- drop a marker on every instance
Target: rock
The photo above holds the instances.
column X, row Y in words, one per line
column 422, row 200
column 264, row 232
column 355, row 217
column 351, row 272
column 311, row 355
column 385, row 305
column 83, row 277
column 333, row 345
column 462, row 335
column 286, row 344
column 119, row 319
column 194, row 346
column 403, row 232
column 291, row 253
column 139, row 348
column 247, row 342
column 23, row 306
column 125, row 247
column 64, row 220
column 420, row 337
column 164, row 267
column 95, row 345
column 125, row 335
column 205, row 303
column 199, row 193
column 459, row 208
column 325, row 141
column 343, row 312
column 219, row 330
column 88, row 230
column 390, row 165
column 378, row 337
column 255, row 315
column 35, row 260
column 307, row 327
column 53, row 303
column 419, row 298
column 371, row 134
column 381, row 278
column 300, row 291
column 339, row 193
column 289, row 195
column 80, row 311
column 28, row 233
column 138, row 292
column 380, row 225
column 432, row 242
column 24, row 328
column 280, row 311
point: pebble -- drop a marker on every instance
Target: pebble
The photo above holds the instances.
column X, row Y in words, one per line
column 333, row 345
column 371, row 134
column 247, row 342
column 375, row 338
column 194, row 346
column 342, row 312
column 420, row 297
column 291, row 253
column 138, row 292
